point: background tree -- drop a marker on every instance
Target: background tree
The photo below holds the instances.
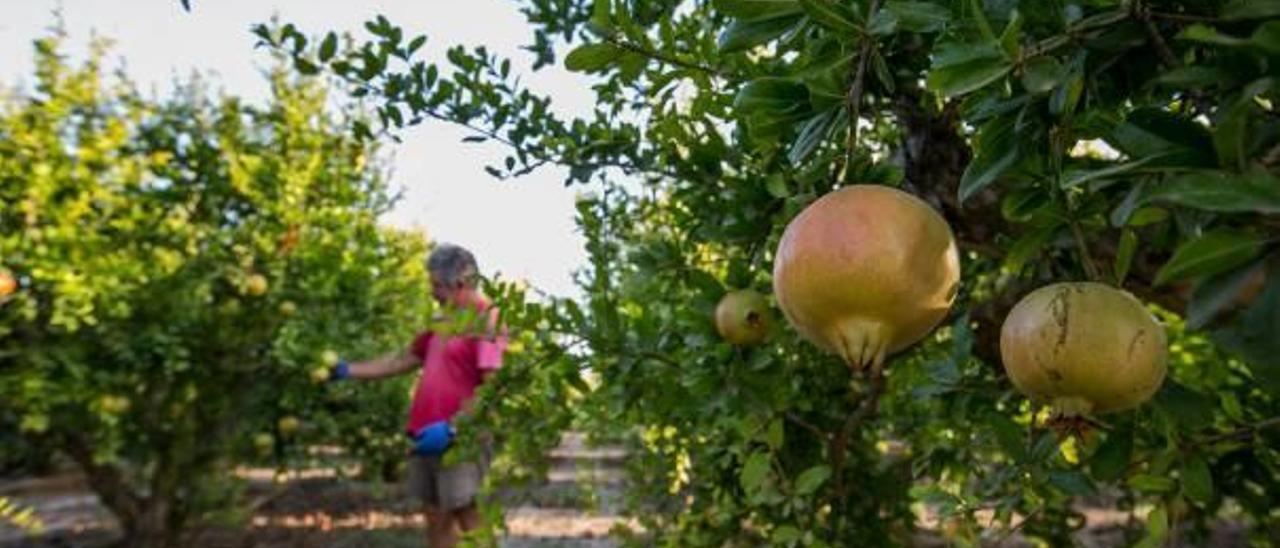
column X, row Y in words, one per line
column 182, row 264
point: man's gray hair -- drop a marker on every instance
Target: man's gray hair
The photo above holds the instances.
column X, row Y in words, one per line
column 452, row 264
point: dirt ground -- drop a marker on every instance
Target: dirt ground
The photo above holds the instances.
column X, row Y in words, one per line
column 576, row 507
column 315, row 509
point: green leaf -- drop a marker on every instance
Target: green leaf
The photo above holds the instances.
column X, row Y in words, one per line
column 1012, row 33
column 958, row 69
column 1148, row 483
column 1011, row 438
column 1042, row 73
column 328, row 47
column 1195, row 76
column 1111, row 459
column 978, row 15
column 1030, row 245
column 1071, row 482
column 812, row 134
column 1157, row 529
column 1020, row 204
column 1124, row 211
column 1197, row 482
column 1077, row 177
column 1213, row 294
column 741, row 35
column 305, row 67
column 1267, row 37
column 1229, row 135
column 828, row 14
column 1205, row 34
column 1154, row 132
column 754, row 472
column 1147, row 216
column 1124, row 255
column 1189, row 409
column 1210, row 254
column 1251, row 9
column 592, row 57
column 785, row 534
column 1252, row 336
column 883, row 74
column 774, row 95
column 416, row 44
column 601, row 21
column 918, row 17
column 1064, row 99
column 750, row 10
column 1222, row 191
column 773, row 435
column 996, row 148
column 810, row 480
column 776, row 185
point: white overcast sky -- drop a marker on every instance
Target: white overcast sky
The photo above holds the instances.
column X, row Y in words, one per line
column 522, row 229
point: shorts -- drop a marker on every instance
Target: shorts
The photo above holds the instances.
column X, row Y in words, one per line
column 446, row 487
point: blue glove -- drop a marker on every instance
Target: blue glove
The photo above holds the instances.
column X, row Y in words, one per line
column 340, row 371
column 433, row 439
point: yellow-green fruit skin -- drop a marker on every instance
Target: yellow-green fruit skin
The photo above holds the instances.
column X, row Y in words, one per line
column 1084, row 347
column 866, row 271
column 743, row 318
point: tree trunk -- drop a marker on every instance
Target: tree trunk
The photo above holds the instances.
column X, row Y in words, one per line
column 147, row 522
column 152, row 527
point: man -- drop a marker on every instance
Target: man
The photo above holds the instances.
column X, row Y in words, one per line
column 452, row 367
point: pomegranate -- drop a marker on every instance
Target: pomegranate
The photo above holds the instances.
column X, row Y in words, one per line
column 866, row 271
column 288, row 425
column 743, row 317
column 256, row 285
column 8, row 285
column 1083, row 347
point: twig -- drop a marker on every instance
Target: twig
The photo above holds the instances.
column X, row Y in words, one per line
column 820, row 433
column 1084, row 25
column 840, row 442
column 1157, row 41
column 1183, row 17
column 1012, row 530
column 853, row 102
column 1241, row 434
column 629, row 169
column 1090, row 266
column 658, row 56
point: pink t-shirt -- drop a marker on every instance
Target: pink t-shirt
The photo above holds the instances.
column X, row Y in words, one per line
column 452, row 368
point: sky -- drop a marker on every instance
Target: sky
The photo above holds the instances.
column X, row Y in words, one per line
column 521, row 229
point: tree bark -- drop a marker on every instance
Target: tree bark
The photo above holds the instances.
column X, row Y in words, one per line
column 146, row 522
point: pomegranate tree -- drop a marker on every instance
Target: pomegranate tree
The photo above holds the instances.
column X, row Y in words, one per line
column 1083, row 347
column 866, row 271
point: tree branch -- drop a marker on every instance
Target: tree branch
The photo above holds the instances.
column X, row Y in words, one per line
column 853, row 102
column 1162, row 48
column 1241, row 434
column 1086, row 258
column 659, row 56
column 813, row 429
column 840, row 442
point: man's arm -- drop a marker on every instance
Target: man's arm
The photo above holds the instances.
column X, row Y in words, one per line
column 385, row 366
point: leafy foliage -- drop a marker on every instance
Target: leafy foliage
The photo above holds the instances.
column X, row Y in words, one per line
column 183, row 263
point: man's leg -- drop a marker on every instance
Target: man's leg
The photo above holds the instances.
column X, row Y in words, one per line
column 467, row 517
column 441, row 532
